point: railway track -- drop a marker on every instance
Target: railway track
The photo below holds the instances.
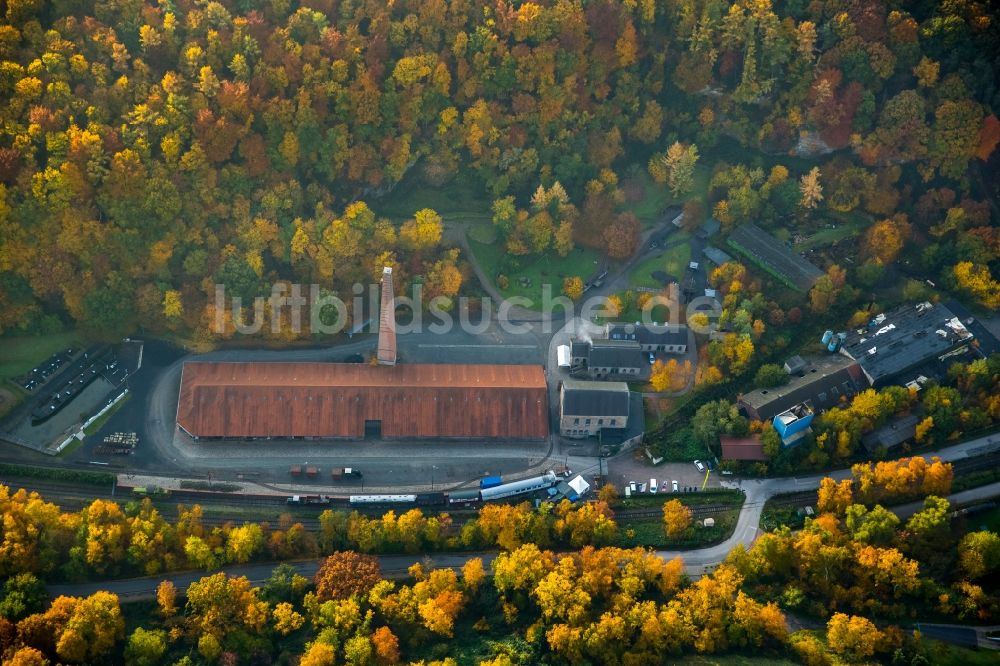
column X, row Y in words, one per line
column 696, row 510
column 967, row 465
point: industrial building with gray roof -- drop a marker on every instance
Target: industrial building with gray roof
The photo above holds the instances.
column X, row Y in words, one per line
column 898, row 346
column 822, row 381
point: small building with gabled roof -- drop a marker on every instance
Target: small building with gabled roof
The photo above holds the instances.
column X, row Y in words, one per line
column 586, row 408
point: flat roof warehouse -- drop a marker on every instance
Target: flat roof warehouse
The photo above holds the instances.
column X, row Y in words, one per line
column 333, row 400
column 906, row 337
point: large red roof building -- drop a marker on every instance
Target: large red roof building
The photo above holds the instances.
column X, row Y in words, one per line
column 342, row 400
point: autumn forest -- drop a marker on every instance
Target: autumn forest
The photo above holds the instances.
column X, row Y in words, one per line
column 150, row 150
column 153, row 150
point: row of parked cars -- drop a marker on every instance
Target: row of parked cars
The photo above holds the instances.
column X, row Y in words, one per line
column 634, row 487
column 40, row 373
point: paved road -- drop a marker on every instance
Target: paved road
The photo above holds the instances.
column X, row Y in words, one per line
column 965, row 635
column 964, row 497
column 696, row 561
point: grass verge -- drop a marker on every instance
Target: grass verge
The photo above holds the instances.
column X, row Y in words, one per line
column 99, row 423
column 19, row 355
column 649, row 532
column 56, row 474
column 720, row 496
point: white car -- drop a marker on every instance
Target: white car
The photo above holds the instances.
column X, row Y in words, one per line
column 631, row 486
column 700, row 465
column 652, row 486
column 642, row 487
column 674, row 482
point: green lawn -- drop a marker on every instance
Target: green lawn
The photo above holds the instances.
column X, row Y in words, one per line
column 990, row 520
column 483, row 231
column 655, row 197
column 549, row 268
column 649, row 532
column 673, row 260
column 847, row 227
column 944, row 654
column 653, row 200
column 20, row 355
column 638, row 501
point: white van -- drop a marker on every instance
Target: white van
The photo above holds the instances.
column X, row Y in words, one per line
column 652, row 486
column 628, row 492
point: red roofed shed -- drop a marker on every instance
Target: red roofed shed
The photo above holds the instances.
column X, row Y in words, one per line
column 338, row 400
column 742, row 448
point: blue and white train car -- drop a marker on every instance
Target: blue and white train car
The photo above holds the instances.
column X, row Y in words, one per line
column 522, row 487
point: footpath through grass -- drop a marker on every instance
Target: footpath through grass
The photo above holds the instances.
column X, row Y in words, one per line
column 19, row 355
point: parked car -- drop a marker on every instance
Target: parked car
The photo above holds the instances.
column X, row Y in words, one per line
column 652, row 486
column 652, row 358
column 674, row 483
column 642, row 487
column 700, row 465
column 632, row 486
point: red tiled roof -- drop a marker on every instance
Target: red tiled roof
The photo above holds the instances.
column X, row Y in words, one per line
column 742, row 448
column 243, row 400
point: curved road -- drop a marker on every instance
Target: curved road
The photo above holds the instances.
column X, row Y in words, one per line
column 696, row 562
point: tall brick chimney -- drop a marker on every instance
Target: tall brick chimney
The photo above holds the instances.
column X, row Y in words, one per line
column 387, row 321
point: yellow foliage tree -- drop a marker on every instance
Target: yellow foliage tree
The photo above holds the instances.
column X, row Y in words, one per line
column 166, row 598
column 977, row 280
column 423, row 231
column 811, row 189
column 473, row 575
column 676, row 518
column 573, row 287
column 923, row 428
column 173, row 307
column 286, row 619
column 613, row 306
column 856, row 638
column 834, row 497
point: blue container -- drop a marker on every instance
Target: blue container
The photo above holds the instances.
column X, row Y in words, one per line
column 490, row 481
column 793, row 428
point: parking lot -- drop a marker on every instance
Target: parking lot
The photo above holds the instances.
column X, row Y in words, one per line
column 73, row 385
column 627, row 468
column 40, row 375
